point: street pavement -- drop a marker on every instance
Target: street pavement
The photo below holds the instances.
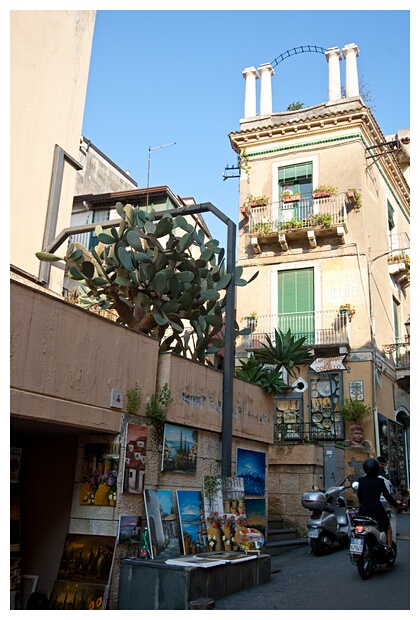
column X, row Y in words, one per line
column 300, row 580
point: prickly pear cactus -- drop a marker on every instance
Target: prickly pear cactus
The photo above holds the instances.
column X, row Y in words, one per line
column 161, row 278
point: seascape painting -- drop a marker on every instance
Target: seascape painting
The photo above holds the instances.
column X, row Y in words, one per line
column 191, row 516
column 250, row 465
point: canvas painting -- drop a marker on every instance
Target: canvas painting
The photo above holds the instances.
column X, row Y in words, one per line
column 87, row 558
column 250, row 465
column 100, row 471
column 129, row 531
column 135, row 459
column 179, row 449
column 76, row 596
column 162, row 523
column 225, row 512
column 256, row 514
column 192, row 524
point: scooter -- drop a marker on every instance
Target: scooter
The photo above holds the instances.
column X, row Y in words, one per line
column 368, row 549
column 330, row 519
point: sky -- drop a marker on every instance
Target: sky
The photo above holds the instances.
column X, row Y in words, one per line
column 159, row 77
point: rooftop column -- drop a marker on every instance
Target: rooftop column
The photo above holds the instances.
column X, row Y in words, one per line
column 351, row 51
column 266, row 100
column 333, row 56
column 250, row 107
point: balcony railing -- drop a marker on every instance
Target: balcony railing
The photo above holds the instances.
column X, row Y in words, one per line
column 320, row 328
column 400, row 353
column 399, row 243
column 308, row 213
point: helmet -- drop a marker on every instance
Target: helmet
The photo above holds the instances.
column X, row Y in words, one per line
column 371, row 466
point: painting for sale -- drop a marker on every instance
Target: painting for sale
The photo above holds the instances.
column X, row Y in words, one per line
column 162, row 523
column 179, row 449
column 250, row 465
column 135, row 458
column 191, row 517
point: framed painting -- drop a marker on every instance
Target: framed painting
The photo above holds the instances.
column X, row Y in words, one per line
column 250, row 465
column 256, row 514
column 100, row 472
column 179, row 449
column 135, row 459
column 162, row 523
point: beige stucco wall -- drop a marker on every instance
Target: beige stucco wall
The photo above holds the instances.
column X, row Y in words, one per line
column 50, row 55
column 65, row 361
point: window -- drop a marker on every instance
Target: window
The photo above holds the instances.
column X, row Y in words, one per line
column 297, row 178
column 296, row 303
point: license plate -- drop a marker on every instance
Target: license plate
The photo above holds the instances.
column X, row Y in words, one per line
column 313, row 532
column 356, row 545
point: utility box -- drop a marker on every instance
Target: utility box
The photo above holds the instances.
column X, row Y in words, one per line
column 333, row 466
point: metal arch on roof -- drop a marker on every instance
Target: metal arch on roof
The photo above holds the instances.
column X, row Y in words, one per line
column 298, row 50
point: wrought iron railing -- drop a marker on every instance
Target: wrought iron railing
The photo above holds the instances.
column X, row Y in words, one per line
column 400, row 352
column 308, row 213
column 307, row 432
column 323, row 327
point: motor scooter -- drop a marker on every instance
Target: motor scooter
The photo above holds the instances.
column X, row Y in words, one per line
column 330, row 518
column 368, row 549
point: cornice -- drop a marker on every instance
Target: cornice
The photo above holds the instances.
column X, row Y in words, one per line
column 308, row 127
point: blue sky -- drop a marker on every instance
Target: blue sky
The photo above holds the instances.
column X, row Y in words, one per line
column 158, row 77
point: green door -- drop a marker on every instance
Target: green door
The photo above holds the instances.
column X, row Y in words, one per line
column 296, row 303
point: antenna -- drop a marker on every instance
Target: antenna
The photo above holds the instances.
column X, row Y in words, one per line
column 153, row 148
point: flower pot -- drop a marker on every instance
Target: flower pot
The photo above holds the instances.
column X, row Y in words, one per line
column 351, row 197
column 244, row 211
column 291, row 198
column 323, row 194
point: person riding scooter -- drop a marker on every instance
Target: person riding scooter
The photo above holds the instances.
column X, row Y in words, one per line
column 371, row 487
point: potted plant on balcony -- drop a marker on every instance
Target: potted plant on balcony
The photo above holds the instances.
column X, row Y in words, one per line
column 354, row 410
column 321, row 219
column 324, row 191
column 354, row 197
column 256, row 201
column 289, row 196
column 347, row 309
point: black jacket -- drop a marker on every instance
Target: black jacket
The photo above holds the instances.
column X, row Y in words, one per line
column 369, row 494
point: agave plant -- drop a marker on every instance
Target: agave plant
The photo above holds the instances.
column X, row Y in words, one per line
column 168, row 285
column 255, row 372
column 285, row 352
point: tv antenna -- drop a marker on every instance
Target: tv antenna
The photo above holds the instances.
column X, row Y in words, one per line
column 153, row 148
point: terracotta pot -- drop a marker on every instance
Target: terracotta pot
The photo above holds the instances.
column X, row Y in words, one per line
column 324, row 194
column 291, row 198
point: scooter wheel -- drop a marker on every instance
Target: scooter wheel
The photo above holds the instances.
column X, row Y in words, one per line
column 365, row 564
column 321, row 545
column 391, row 561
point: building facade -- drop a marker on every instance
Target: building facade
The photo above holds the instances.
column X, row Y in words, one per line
column 325, row 217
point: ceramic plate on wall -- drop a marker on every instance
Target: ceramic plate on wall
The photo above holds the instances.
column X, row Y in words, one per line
column 325, row 387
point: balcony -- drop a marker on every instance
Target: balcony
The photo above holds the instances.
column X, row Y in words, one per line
column 309, row 220
column 327, row 331
column 399, row 353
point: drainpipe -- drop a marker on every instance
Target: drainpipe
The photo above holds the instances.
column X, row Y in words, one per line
column 266, row 101
column 351, row 51
column 333, row 56
column 250, row 107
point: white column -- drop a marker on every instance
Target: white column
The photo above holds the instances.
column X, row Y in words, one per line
column 266, row 100
column 351, row 51
column 251, row 76
column 333, row 55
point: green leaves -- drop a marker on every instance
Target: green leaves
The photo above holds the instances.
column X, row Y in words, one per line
column 286, row 351
column 162, row 277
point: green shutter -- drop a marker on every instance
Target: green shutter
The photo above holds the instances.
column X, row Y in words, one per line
column 296, row 302
column 295, row 172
